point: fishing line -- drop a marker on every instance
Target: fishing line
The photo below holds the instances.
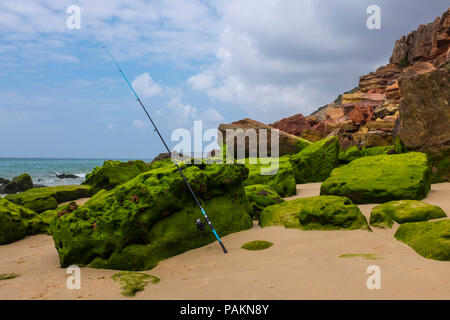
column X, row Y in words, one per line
column 208, row 221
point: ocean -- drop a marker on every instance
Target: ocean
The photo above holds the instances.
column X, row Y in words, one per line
column 45, row 171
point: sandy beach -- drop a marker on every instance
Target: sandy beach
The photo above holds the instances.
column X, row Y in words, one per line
column 300, row 265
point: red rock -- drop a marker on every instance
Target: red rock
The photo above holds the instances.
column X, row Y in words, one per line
column 428, row 42
column 335, row 113
column 293, row 125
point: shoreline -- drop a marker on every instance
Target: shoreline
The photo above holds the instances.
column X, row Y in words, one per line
column 300, row 265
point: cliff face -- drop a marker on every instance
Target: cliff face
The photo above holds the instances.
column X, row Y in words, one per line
column 428, row 42
column 368, row 115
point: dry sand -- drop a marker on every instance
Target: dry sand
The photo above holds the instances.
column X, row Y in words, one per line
column 300, row 265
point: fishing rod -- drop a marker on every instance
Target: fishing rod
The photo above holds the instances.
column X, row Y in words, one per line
column 198, row 222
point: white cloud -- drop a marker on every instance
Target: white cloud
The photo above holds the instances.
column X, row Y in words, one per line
column 140, row 125
column 145, row 86
column 202, row 81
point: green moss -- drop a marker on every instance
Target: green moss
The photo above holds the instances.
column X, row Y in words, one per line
column 16, row 222
column 353, row 153
column 429, row 239
column 278, row 175
column 368, row 256
column 381, row 178
column 315, row 213
column 283, row 214
column 261, row 196
column 8, row 276
column 132, row 282
column 152, row 217
column 257, row 245
column 402, row 211
column 315, row 163
column 302, row 144
column 47, row 198
column 114, row 173
column 440, row 162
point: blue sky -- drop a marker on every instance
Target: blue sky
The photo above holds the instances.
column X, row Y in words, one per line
column 215, row 61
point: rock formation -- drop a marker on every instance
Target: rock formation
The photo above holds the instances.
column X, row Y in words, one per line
column 366, row 116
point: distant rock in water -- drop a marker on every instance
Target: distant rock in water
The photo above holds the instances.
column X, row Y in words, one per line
column 4, row 181
column 18, row 184
column 66, row 176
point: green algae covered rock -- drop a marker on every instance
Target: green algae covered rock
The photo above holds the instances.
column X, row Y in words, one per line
column 152, row 217
column 430, row 239
column 114, row 173
column 261, row 196
column 16, row 222
column 315, row 213
column 256, row 245
column 47, row 198
column 383, row 216
column 381, row 178
column 353, row 153
column 18, row 184
column 132, row 282
column 279, row 175
column 315, row 162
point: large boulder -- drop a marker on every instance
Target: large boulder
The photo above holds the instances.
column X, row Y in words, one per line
column 288, row 143
column 114, row 173
column 261, row 196
column 425, row 111
column 315, row 213
column 353, row 153
column 48, row 198
column 429, row 239
column 152, row 217
column 279, row 174
column 18, row 184
column 16, row 222
column 315, row 162
column 381, row 178
column 401, row 211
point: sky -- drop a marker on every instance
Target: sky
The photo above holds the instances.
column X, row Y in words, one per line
column 213, row 61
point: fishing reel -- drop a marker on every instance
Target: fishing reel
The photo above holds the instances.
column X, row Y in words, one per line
column 200, row 225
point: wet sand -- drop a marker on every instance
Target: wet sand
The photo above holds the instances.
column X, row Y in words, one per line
column 300, row 265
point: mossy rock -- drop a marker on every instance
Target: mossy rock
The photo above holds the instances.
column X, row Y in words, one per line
column 440, row 162
column 16, row 222
column 152, row 217
column 257, row 245
column 381, row 178
column 401, row 211
column 47, row 198
column 19, row 184
column 430, row 239
column 353, row 153
column 280, row 175
column 261, row 196
column 315, row 162
column 315, row 213
column 8, row 276
column 114, row 173
column 368, row 256
column 132, row 282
